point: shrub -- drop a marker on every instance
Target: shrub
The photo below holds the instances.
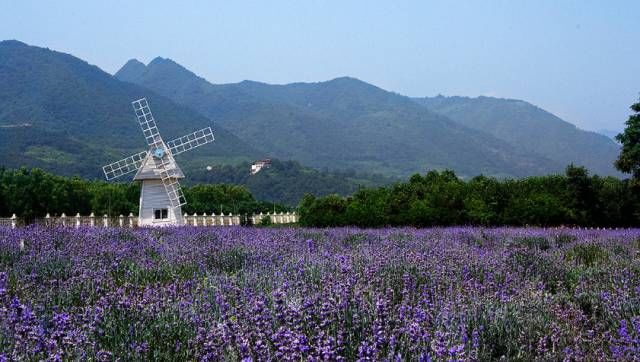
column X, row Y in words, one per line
column 587, row 254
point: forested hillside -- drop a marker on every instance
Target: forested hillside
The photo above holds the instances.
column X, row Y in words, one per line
column 342, row 123
column 62, row 114
column 533, row 129
column 288, row 181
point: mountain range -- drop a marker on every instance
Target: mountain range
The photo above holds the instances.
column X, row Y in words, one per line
column 338, row 124
column 62, row 114
column 531, row 129
column 347, row 123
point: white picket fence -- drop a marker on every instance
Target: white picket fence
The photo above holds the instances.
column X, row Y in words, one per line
column 9, row 221
column 132, row 220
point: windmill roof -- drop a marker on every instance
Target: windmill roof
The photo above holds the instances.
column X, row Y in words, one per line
column 148, row 170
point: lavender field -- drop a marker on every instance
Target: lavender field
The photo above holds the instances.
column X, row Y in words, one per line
column 319, row 294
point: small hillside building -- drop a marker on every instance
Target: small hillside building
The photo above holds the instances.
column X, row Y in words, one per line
column 259, row 165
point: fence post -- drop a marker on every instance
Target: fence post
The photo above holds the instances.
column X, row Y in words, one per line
column 130, row 220
column 121, row 220
column 77, row 220
column 13, row 221
column 105, row 220
column 186, row 218
column 92, row 219
column 195, row 219
column 47, row 220
column 64, row 219
column 204, row 219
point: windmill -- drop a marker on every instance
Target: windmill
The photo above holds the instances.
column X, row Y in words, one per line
column 161, row 196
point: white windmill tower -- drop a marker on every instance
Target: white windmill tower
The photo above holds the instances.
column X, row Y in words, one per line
column 161, row 196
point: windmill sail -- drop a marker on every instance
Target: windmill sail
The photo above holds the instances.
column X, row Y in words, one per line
column 161, row 155
column 124, row 166
column 157, row 169
column 190, row 141
column 147, row 122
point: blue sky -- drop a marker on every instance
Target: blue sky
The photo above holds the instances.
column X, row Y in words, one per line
column 577, row 59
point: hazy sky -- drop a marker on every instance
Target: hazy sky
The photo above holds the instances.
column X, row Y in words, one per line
column 577, row 59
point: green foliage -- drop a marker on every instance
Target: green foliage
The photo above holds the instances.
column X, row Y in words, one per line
column 587, row 254
column 367, row 207
column 229, row 261
column 33, row 193
column 265, row 221
column 159, row 336
column 534, row 242
column 441, row 198
column 287, row 181
column 629, row 159
column 129, row 272
column 326, row 211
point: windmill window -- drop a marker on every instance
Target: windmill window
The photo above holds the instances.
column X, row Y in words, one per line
column 160, row 214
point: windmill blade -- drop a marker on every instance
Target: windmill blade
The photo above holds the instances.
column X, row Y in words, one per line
column 166, row 166
column 176, row 195
column 124, row 166
column 147, row 122
column 190, row 141
column 163, row 160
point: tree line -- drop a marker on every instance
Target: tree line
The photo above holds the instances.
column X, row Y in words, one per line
column 441, row 198
column 286, row 181
column 32, row 193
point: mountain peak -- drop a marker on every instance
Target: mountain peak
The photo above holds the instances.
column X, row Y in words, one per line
column 161, row 60
column 133, row 63
column 346, row 80
column 131, row 71
column 165, row 63
column 12, row 43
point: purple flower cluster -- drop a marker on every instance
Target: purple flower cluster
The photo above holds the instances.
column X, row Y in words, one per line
column 292, row 294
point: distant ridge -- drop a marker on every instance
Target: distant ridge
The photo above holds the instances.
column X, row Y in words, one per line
column 609, row 133
column 531, row 129
column 339, row 124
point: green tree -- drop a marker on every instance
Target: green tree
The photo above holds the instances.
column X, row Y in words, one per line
column 323, row 212
column 583, row 196
column 629, row 159
column 368, row 208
